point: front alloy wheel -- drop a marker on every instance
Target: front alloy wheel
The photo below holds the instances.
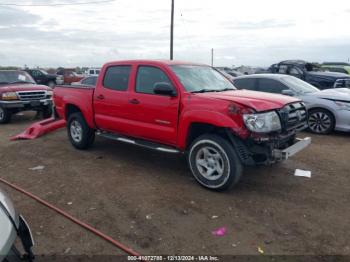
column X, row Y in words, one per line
column 321, row 121
column 214, row 162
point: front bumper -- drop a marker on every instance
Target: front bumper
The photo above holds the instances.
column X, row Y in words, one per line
column 342, row 120
column 26, row 104
column 284, row 154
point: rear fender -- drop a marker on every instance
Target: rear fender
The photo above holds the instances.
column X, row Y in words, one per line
column 84, row 108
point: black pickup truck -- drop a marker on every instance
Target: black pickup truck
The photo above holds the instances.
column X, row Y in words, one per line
column 311, row 73
column 42, row 77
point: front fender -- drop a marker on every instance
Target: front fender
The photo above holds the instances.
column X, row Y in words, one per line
column 235, row 123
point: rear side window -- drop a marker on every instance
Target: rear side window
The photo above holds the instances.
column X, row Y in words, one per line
column 271, row 86
column 148, row 77
column 245, row 83
column 89, row 81
column 117, row 77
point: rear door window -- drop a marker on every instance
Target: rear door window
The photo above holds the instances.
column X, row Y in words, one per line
column 117, row 77
column 245, row 83
column 271, row 86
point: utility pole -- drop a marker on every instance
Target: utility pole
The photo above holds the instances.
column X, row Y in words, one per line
column 212, row 57
column 172, row 31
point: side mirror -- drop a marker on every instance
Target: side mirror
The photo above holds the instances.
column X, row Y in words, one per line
column 165, row 89
column 287, row 92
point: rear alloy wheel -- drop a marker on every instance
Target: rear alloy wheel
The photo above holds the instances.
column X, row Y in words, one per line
column 321, row 121
column 80, row 134
column 214, row 162
column 5, row 115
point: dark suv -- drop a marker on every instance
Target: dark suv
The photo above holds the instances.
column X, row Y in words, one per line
column 42, row 77
column 311, row 73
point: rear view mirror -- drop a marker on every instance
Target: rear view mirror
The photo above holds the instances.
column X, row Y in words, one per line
column 165, row 89
column 288, row 92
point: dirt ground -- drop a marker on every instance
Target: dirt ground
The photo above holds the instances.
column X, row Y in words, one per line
column 149, row 201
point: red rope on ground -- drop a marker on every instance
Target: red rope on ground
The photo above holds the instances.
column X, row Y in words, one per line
column 75, row 220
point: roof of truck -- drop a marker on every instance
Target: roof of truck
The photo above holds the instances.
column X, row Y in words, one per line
column 164, row 62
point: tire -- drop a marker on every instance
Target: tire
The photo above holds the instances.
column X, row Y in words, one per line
column 5, row 115
column 214, row 162
column 321, row 121
column 47, row 112
column 51, row 84
column 14, row 255
column 80, row 134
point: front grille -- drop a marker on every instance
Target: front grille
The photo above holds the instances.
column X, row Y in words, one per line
column 31, row 95
column 293, row 117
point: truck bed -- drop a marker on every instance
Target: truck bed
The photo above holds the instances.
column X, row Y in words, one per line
column 66, row 96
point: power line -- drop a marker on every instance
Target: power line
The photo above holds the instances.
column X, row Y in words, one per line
column 58, row 4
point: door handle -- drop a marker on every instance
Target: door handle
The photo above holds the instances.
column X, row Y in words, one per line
column 100, row 97
column 134, row 101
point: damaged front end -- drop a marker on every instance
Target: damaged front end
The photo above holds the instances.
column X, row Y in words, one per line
column 268, row 148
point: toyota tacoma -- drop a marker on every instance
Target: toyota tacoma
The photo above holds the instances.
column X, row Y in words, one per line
column 179, row 107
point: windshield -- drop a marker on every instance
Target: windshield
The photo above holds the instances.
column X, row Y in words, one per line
column 201, row 78
column 44, row 72
column 11, row 77
column 299, row 86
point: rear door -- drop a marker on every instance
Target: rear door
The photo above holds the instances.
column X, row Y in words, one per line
column 111, row 100
column 154, row 117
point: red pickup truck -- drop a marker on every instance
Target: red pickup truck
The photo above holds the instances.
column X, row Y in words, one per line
column 179, row 107
column 19, row 92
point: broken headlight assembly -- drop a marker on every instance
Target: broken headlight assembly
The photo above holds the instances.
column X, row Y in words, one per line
column 262, row 122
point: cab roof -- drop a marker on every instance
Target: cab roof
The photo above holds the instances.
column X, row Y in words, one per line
column 155, row 61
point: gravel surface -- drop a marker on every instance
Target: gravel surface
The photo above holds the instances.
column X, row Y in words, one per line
column 150, row 202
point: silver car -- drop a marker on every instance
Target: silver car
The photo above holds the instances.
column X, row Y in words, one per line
column 328, row 109
column 13, row 226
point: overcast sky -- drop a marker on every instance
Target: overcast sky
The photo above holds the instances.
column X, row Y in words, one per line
column 255, row 32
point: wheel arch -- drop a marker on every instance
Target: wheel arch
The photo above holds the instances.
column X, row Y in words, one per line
column 72, row 108
column 314, row 108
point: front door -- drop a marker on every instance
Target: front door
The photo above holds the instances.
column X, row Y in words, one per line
column 153, row 116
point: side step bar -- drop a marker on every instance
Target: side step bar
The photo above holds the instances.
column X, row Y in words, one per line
column 138, row 142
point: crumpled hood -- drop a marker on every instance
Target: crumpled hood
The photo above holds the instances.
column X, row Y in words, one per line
column 22, row 87
column 334, row 94
column 260, row 101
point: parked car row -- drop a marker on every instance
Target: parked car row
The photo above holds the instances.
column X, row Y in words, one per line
column 328, row 109
column 311, row 73
column 64, row 76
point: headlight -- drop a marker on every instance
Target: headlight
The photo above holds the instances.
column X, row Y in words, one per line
column 343, row 105
column 262, row 123
column 9, row 96
column 49, row 93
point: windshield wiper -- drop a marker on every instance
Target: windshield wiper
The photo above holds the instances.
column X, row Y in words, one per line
column 213, row 90
column 225, row 89
column 20, row 81
column 202, row 91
